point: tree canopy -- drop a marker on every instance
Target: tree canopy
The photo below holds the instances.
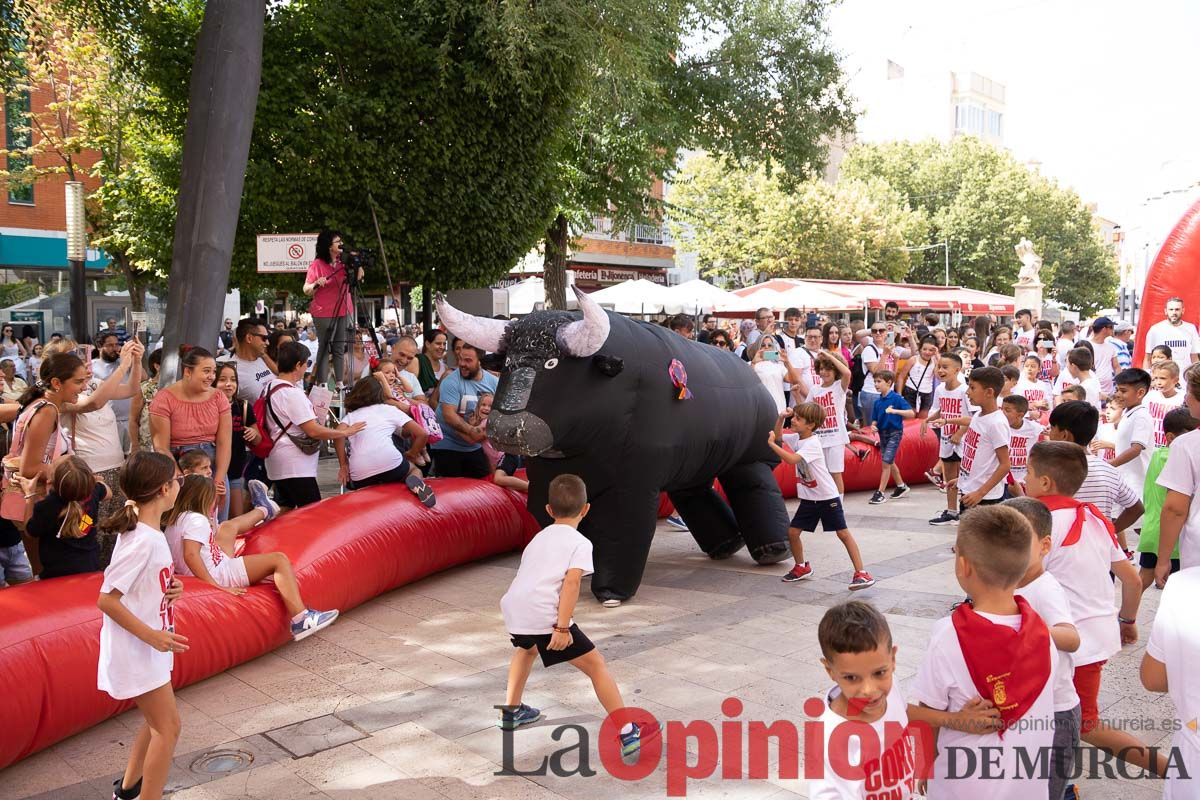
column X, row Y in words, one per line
column 982, row 201
column 750, row 226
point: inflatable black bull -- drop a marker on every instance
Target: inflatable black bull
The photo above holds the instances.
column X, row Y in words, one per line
column 599, row 397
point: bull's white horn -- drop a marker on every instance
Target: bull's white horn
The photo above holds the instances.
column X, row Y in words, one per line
column 479, row 331
column 584, row 338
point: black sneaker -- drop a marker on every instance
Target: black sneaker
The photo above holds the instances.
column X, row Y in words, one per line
column 900, row 491
column 947, row 517
column 132, row 793
column 877, row 498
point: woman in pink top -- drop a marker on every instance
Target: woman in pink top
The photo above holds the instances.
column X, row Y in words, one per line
column 331, row 308
column 192, row 415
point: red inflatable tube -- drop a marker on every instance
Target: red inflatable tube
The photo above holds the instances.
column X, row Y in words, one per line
column 917, row 454
column 1173, row 274
column 345, row 551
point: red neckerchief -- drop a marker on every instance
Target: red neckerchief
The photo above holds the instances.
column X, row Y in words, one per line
column 1057, row 502
column 1008, row 667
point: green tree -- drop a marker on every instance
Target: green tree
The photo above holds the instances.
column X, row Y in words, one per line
column 750, row 226
column 982, row 201
column 755, row 81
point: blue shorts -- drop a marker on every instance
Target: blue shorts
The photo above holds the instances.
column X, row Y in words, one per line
column 889, row 443
column 14, row 565
column 828, row 512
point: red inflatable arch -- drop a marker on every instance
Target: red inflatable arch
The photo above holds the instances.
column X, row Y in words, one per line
column 345, row 551
column 1174, row 273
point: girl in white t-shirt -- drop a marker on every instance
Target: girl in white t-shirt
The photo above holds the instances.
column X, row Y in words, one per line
column 137, row 635
column 201, row 547
column 1038, row 392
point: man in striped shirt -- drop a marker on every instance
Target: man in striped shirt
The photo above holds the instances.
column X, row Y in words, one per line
column 1076, row 421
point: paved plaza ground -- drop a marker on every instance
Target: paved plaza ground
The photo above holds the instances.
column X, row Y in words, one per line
column 395, row 700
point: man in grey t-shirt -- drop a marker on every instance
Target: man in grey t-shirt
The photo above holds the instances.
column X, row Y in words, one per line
column 254, row 369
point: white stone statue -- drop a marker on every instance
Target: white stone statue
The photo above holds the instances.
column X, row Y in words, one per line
column 1031, row 264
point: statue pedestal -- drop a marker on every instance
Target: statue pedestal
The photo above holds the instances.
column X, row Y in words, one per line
column 1029, row 295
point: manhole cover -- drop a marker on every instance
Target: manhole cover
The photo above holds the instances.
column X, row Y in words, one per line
column 220, row 762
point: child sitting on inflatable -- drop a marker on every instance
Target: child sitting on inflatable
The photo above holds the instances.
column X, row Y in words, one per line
column 201, row 547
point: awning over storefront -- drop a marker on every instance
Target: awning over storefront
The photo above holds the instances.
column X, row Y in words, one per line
column 23, row 248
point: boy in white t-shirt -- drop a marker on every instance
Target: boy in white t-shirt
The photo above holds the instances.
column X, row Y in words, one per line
column 1046, row 595
column 1079, row 373
column 819, row 497
column 1163, row 396
column 1083, row 551
column 951, row 411
column 993, row 661
column 1169, row 665
column 984, row 466
column 1039, row 393
column 859, row 656
column 830, row 394
column 1023, row 435
column 538, row 609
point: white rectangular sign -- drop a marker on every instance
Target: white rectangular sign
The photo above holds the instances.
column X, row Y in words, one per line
column 286, row 252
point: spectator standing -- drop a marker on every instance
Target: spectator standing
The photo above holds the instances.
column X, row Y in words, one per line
column 460, row 452
column 225, row 337
column 774, row 370
column 255, row 370
column 708, row 327
column 1024, row 333
column 1104, row 354
column 1176, row 334
column 430, row 366
column 331, row 307
column 1122, row 341
column 14, row 386
column 292, row 425
column 107, row 361
column 192, row 415
column 11, row 347
column 764, row 322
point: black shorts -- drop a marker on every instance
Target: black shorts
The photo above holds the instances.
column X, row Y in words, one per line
column 1150, row 561
column 460, row 464
column 396, row 475
column 580, row 645
column 963, row 509
column 828, row 512
column 952, row 458
column 297, row 492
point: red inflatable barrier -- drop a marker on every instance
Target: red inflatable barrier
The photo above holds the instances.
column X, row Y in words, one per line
column 916, row 455
column 1173, row 274
column 345, row 551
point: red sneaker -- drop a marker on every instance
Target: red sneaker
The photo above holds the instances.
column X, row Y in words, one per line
column 798, row 573
column 861, row 580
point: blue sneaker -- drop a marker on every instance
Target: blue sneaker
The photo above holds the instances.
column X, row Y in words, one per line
column 631, row 742
column 522, row 715
column 312, row 622
column 676, row 521
column 260, row 498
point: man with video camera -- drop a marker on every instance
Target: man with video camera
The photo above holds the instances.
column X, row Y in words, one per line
column 328, row 282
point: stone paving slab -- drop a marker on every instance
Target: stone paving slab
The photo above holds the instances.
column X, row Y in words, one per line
column 396, row 699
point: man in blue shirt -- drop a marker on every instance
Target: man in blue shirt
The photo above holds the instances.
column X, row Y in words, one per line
column 460, row 452
column 1122, row 339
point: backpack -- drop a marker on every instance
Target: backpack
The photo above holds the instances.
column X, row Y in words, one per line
column 265, row 444
column 857, row 378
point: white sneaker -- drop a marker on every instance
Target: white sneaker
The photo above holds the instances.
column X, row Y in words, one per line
column 611, row 602
column 312, row 622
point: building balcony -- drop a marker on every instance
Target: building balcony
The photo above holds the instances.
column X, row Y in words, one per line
column 602, row 228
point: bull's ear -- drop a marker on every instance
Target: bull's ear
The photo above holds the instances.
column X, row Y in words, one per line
column 493, row 362
column 609, row 365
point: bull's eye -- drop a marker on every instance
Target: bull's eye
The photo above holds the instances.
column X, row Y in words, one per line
column 551, row 363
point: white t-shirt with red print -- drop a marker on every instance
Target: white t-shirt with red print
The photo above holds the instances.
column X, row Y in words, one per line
column 1159, row 405
column 891, row 776
column 1020, row 442
column 141, row 570
column 988, row 432
column 833, row 399
column 813, row 481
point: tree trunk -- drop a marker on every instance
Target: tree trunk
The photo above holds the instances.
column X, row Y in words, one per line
column 137, row 289
column 224, row 91
column 554, row 266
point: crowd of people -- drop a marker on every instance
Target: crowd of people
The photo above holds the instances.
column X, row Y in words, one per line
column 108, row 471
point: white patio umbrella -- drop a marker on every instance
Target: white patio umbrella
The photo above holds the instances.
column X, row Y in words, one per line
column 632, row 297
column 523, row 296
column 695, row 297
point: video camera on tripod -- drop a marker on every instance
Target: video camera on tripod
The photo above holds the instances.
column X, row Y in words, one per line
column 353, row 260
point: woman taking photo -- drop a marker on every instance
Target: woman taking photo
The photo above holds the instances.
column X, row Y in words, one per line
column 773, row 369
column 292, row 425
column 191, row 414
column 373, row 458
column 331, row 307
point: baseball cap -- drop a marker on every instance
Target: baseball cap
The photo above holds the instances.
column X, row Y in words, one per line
column 1102, row 322
column 1122, row 327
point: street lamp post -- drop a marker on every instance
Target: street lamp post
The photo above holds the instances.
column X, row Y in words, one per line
column 77, row 258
